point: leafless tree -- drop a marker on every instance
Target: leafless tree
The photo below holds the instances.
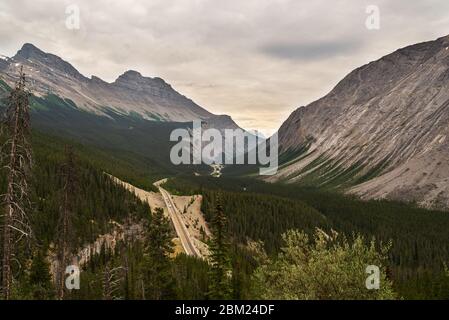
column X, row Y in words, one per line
column 65, row 232
column 112, row 281
column 16, row 158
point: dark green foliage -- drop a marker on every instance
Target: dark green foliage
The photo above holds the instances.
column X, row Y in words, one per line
column 123, row 165
column 138, row 148
column 40, row 285
column 191, row 276
column 325, row 267
column 130, row 138
column 137, row 151
column 156, row 264
column 220, row 275
column 98, row 201
column 261, row 217
column 263, row 211
column 148, row 271
column 97, row 204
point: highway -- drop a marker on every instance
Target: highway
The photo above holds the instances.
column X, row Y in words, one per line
column 180, row 228
column 187, row 241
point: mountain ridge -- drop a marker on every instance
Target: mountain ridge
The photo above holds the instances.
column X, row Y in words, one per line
column 381, row 132
column 130, row 94
column 132, row 114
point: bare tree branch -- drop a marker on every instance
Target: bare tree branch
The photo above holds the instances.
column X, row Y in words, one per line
column 16, row 152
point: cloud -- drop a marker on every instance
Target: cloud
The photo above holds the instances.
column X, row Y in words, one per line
column 310, row 51
column 256, row 60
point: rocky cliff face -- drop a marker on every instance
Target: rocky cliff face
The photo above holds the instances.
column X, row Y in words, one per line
column 382, row 132
column 131, row 94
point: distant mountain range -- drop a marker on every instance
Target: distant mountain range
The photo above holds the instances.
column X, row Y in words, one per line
column 382, row 132
column 133, row 114
column 131, row 94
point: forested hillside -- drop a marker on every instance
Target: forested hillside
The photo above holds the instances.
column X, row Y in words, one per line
column 141, row 265
column 97, row 205
column 144, row 145
column 263, row 211
column 100, row 207
column 269, row 241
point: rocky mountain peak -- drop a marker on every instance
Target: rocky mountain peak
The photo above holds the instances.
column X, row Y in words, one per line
column 384, row 122
column 32, row 55
column 131, row 93
column 130, row 75
column 29, row 51
column 135, row 78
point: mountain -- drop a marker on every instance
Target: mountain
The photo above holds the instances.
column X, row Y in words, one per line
column 130, row 93
column 133, row 114
column 382, row 132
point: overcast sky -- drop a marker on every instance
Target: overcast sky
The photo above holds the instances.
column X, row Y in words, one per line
column 256, row 60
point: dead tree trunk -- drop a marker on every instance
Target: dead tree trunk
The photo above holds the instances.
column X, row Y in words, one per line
column 107, row 278
column 112, row 281
column 17, row 152
column 65, row 219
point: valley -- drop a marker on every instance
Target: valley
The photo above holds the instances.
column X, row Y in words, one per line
column 363, row 175
column 381, row 131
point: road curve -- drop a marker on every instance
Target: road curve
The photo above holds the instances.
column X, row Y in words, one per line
column 180, row 228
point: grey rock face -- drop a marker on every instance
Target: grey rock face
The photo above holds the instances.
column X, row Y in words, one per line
column 383, row 131
column 29, row 53
column 131, row 93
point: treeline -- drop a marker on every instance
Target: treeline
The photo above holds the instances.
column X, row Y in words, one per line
column 59, row 206
column 255, row 216
column 263, row 211
column 269, row 240
column 121, row 164
column 98, row 201
column 98, row 204
column 140, row 266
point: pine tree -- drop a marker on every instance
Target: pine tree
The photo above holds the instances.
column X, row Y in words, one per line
column 65, row 232
column 157, row 264
column 39, row 278
column 220, row 271
column 17, row 153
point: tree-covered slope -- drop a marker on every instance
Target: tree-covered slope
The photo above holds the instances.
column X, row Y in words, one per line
column 134, row 140
column 263, row 211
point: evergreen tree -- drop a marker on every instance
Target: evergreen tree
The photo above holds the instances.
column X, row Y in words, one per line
column 39, row 278
column 65, row 232
column 191, row 277
column 220, row 263
column 157, row 265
